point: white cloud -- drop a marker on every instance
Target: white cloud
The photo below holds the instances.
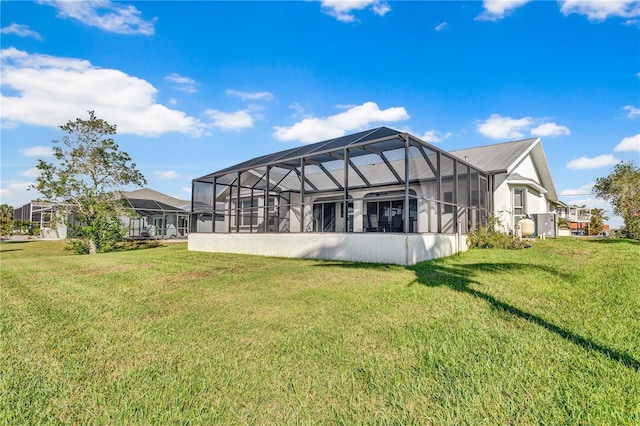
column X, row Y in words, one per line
column 299, row 109
column 230, row 120
column 20, row 30
column 16, row 193
column 434, row 136
column 52, row 90
column 165, row 174
column 184, row 84
column 313, row 129
column 583, row 190
column 550, row 129
column 633, row 111
column 186, row 189
column 37, row 151
column 251, row 96
column 342, row 9
column 632, row 143
column 113, row 17
column 32, row 172
column 599, row 10
column 592, row 163
column 498, row 127
column 495, row 10
column 172, row 101
column 441, row 26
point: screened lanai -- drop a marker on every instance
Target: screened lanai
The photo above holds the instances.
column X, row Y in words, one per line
column 375, row 181
column 155, row 219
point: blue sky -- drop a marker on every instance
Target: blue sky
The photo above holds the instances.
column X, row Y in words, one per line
column 197, row 86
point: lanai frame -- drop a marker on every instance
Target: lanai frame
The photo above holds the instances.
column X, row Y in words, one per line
column 377, row 159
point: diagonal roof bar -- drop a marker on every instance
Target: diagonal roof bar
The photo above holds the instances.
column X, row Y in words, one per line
column 330, row 176
column 386, row 161
column 428, row 160
column 315, row 188
column 359, row 173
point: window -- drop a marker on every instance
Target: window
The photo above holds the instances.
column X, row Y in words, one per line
column 519, row 206
column 272, row 213
column 158, row 225
column 388, row 215
column 324, row 217
column 248, row 215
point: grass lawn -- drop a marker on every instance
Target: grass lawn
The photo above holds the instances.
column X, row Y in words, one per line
column 547, row 335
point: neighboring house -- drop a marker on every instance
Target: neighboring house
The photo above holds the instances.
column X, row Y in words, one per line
column 375, row 196
column 576, row 217
column 157, row 215
column 46, row 217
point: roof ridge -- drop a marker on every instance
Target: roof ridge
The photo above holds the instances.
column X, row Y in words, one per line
column 496, row 144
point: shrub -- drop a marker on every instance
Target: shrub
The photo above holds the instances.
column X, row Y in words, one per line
column 488, row 237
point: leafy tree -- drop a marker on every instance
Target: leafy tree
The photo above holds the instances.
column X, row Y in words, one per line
column 88, row 177
column 622, row 189
column 596, row 223
column 21, row 226
column 6, row 219
column 562, row 221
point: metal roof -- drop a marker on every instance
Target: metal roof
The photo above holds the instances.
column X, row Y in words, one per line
column 150, row 194
column 292, row 156
column 495, row 158
column 151, row 207
column 383, row 143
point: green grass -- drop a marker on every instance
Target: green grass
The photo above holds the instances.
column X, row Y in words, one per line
column 547, row 335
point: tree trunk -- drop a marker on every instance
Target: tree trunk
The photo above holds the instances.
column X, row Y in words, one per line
column 92, row 246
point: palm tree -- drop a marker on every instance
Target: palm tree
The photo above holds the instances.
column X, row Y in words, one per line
column 596, row 224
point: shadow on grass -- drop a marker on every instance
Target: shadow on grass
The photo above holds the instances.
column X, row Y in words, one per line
column 459, row 277
column 358, row 265
column 618, row 241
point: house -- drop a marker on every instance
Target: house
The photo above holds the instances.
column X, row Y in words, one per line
column 157, row 215
column 520, row 183
column 375, row 196
column 47, row 219
column 577, row 219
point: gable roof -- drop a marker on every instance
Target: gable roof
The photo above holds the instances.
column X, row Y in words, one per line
column 150, row 194
column 294, row 154
column 491, row 159
column 496, row 158
column 151, row 207
column 504, row 157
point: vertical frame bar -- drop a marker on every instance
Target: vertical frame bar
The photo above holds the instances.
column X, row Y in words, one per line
column 302, row 194
column 267, row 191
column 345, row 202
column 405, row 211
column 238, row 203
column 213, row 219
column 439, row 205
